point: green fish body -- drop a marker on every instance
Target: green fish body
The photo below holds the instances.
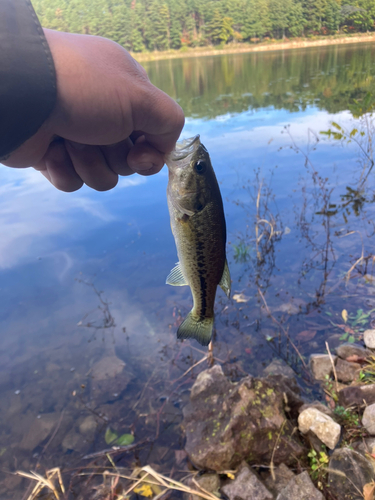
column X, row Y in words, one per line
column 198, row 226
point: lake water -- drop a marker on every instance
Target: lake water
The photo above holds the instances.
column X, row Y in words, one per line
column 87, row 324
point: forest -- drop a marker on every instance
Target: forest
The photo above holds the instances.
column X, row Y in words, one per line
column 159, row 25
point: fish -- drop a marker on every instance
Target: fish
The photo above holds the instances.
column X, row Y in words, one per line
column 198, row 226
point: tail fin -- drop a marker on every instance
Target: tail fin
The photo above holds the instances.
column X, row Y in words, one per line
column 196, row 328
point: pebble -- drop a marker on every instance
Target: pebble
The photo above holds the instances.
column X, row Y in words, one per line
column 369, row 338
column 368, row 419
column 323, row 426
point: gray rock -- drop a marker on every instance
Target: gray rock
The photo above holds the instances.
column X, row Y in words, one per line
column 323, row 426
column 321, row 366
column 319, row 406
column 346, row 350
column 300, row 488
column 282, row 477
column 368, row 419
column 209, row 482
column 226, row 423
column 278, row 367
column 369, row 338
column 347, row 371
column 357, row 395
column 349, row 471
column 246, row 485
column 365, row 446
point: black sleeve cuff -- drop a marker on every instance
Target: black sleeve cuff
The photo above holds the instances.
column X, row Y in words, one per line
column 27, row 75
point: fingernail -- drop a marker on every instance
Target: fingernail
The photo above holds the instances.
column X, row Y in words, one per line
column 145, row 166
column 76, row 145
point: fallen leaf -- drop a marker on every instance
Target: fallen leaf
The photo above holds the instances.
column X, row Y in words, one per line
column 368, row 491
column 344, row 314
column 125, row 440
column 240, row 297
column 230, row 475
column 110, row 436
column 306, row 335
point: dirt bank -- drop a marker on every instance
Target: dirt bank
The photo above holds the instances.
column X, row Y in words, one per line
column 260, row 47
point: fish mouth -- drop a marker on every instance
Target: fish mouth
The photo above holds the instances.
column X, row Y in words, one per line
column 185, row 148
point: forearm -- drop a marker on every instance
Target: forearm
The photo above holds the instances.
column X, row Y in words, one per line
column 27, row 75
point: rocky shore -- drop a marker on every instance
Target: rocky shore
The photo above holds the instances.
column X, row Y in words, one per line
column 261, row 439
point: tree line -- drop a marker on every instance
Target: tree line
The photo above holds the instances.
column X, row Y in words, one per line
column 148, row 25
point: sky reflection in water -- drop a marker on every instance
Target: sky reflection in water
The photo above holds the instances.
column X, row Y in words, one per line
column 121, row 241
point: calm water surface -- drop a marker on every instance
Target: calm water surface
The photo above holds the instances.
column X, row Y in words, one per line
column 82, row 275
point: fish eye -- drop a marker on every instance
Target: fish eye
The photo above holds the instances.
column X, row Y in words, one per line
column 200, row 166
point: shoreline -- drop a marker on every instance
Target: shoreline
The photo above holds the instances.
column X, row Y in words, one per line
column 244, row 48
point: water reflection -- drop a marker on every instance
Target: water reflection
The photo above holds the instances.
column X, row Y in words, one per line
column 328, row 78
column 77, row 357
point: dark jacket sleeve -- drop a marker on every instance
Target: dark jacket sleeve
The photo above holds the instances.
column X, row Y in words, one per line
column 27, row 75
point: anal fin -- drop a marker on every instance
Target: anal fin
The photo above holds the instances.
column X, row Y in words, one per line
column 225, row 282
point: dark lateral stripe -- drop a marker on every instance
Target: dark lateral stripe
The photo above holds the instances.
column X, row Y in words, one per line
column 203, row 295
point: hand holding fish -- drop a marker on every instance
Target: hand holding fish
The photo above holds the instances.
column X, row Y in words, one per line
column 108, row 120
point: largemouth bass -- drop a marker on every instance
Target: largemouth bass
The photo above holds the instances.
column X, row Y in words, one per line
column 198, row 226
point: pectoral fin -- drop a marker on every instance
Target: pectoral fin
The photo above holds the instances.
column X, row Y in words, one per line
column 225, row 283
column 176, row 277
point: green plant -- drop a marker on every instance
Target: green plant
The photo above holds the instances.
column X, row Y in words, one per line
column 241, row 252
column 330, row 389
column 319, row 466
column 347, row 416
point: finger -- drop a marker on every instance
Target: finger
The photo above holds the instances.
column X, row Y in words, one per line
column 92, row 167
column 159, row 117
column 116, row 157
column 57, row 167
column 145, row 159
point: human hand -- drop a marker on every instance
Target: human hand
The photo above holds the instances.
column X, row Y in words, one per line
column 108, row 120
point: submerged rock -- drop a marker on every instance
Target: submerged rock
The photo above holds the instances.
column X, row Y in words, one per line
column 349, row 471
column 321, row 365
column 109, row 378
column 39, row 430
column 226, row 423
column 246, row 485
column 278, row 367
column 300, row 488
column 323, row 426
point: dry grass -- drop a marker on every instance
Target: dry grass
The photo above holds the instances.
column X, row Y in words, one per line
column 145, row 481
